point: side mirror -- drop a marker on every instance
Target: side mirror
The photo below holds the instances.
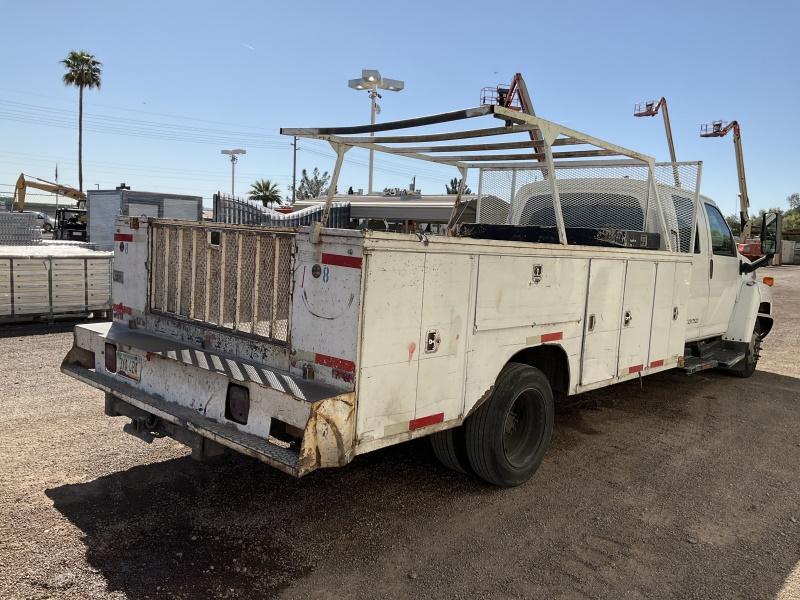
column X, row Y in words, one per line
column 769, row 233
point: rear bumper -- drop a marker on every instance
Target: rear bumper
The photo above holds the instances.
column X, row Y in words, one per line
column 190, row 399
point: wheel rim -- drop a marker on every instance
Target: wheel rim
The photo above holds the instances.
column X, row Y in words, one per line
column 523, row 425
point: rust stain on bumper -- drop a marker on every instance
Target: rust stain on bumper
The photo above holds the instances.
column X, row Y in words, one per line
column 328, row 439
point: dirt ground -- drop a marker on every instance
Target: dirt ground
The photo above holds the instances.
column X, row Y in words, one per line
column 685, row 487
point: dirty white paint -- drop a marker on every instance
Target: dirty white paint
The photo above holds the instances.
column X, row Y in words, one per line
column 393, row 336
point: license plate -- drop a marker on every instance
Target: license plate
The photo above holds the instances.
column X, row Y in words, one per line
column 129, row 365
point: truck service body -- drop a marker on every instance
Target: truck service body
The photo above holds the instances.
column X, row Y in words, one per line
column 306, row 348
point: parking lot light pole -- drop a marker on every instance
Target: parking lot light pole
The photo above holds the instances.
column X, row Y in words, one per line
column 371, row 80
column 233, row 154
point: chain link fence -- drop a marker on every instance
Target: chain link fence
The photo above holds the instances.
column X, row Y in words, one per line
column 234, row 278
column 612, row 196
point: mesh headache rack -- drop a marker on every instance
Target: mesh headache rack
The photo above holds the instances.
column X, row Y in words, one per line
column 538, row 180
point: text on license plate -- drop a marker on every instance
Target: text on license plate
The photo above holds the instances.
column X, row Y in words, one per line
column 129, row 365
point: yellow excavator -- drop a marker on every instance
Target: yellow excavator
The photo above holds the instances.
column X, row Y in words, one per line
column 24, row 182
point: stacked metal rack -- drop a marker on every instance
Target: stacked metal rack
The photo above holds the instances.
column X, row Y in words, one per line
column 19, row 229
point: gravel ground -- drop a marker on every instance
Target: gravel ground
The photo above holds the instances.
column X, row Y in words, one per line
column 685, row 487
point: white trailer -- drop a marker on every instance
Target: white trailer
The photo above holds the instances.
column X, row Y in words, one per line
column 304, row 349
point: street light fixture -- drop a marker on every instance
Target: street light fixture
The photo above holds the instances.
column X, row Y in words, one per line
column 232, row 154
column 371, row 80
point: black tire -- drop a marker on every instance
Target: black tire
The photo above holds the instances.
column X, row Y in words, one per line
column 508, row 435
column 47, row 227
column 450, row 447
column 747, row 366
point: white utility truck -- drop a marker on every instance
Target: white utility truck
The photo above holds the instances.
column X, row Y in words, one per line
column 304, row 348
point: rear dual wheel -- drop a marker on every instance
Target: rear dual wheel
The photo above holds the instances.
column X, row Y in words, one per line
column 504, row 441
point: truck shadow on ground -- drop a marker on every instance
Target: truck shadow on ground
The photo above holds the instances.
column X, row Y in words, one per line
column 234, row 527
column 38, row 328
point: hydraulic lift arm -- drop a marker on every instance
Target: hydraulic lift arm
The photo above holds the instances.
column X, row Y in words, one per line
column 721, row 129
column 40, row 184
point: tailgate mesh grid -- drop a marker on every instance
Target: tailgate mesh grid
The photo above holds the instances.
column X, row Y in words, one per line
column 233, row 278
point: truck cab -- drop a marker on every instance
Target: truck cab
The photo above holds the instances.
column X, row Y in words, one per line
column 728, row 306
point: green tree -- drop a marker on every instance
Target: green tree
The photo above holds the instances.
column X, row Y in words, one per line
column 312, row 186
column 791, row 222
column 83, row 71
column 794, row 201
column 733, row 223
column 266, row 192
column 455, row 183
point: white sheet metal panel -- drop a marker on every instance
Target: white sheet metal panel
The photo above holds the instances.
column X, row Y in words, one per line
column 445, row 319
column 663, row 311
column 142, row 210
column 179, row 208
column 680, row 300
column 102, row 207
column 525, row 291
column 325, row 307
column 637, row 310
column 601, row 342
column 5, row 286
column 389, row 361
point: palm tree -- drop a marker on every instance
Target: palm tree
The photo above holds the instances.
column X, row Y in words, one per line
column 265, row 191
column 83, row 71
column 452, row 187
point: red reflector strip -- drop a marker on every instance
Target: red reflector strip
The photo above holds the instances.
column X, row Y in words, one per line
column 635, row 369
column 552, row 337
column 656, row 363
column 335, row 363
column 339, row 260
column 425, row 421
column 123, row 237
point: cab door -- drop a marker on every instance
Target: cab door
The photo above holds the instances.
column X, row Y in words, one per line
column 723, row 274
column 698, row 287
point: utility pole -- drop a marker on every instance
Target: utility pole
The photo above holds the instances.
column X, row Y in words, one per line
column 294, row 170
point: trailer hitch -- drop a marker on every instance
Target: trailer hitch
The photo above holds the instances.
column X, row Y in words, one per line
column 144, row 428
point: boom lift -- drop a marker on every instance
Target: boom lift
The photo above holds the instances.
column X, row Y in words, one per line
column 650, row 108
column 721, row 129
column 24, row 182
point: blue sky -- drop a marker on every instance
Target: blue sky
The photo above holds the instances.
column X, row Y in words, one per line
column 182, row 80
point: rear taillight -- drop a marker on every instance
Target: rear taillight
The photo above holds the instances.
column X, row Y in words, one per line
column 237, row 404
column 111, row 358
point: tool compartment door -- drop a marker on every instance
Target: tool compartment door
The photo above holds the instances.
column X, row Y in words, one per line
column 680, row 302
column 663, row 310
column 602, row 322
column 636, row 318
column 443, row 336
column 390, row 333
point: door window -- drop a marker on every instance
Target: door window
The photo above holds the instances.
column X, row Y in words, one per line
column 721, row 237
